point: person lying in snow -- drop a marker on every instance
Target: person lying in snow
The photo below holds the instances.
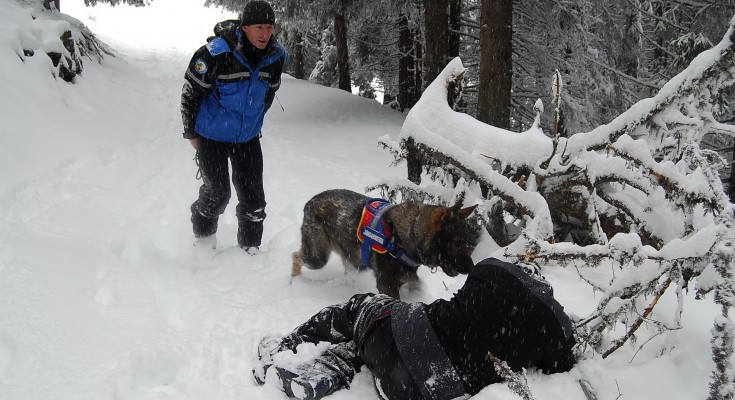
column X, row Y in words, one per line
column 441, row 350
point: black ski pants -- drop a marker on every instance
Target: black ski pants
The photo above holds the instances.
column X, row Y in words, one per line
column 214, row 194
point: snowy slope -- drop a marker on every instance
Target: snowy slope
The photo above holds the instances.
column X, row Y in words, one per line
column 102, row 295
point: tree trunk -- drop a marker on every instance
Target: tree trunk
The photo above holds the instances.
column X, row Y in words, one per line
column 496, row 75
column 406, row 76
column 731, row 183
column 436, row 21
column 418, row 69
column 455, row 14
column 629, row 59
column 659, row 55
column 56, row 3
column 343, row 67
column 298, row 55
column 414, row 164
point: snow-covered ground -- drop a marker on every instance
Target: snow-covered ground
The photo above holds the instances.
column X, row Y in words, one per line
column 103, row 296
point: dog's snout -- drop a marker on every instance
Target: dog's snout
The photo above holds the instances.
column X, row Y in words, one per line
column 454, row 266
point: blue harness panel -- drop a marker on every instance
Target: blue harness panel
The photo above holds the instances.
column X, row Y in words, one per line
column 375, row 236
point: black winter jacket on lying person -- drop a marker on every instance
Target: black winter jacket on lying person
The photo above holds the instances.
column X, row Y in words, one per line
column 502, row 310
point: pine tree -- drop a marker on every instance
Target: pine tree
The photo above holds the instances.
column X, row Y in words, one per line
column 436, row 20
column 496, row 38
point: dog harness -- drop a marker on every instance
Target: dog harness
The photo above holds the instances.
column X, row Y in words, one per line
column 374, row 235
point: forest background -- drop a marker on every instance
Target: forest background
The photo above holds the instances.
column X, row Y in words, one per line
column 609, row 55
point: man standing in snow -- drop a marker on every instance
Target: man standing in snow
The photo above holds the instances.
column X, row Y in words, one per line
column 230, row 85
column 443, row 350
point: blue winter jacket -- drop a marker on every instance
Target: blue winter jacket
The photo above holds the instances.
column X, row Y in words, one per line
column 229, row 86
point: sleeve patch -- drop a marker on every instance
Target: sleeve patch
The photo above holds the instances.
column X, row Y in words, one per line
column 200, row 66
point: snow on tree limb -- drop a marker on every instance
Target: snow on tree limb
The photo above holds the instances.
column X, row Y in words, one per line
column 638, row 193
column 709, row 72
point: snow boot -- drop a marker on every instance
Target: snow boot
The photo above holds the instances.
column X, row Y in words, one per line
column 205, row 242
column 201, row 225
column 249, row 227
column 251, row 250
column 267, row 347
column 329, row 373
column 310, row 381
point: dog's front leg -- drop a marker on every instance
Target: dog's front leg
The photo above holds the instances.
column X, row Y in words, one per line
column 298, row 262
column 387, row 279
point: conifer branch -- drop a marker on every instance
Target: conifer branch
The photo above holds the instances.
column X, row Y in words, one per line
column 517, row 382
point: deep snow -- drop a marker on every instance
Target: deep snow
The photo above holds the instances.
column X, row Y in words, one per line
column 103, row 296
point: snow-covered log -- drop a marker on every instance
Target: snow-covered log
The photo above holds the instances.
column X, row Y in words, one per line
column 61, row 38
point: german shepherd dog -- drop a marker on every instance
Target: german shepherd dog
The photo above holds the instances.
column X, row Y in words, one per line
column 431, row 235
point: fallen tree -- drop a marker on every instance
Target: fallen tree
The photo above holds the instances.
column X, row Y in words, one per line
column 639, row 193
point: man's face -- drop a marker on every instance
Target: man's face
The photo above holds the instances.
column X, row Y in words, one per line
column 258, row 34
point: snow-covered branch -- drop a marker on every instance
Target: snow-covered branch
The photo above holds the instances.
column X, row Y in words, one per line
column 638, row 192
column 63, row 39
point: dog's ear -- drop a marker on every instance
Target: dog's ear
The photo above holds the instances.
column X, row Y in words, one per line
column 438, row 216
column 460, row 212
column 465, row 212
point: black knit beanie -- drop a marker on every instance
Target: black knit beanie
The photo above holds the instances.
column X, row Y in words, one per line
column 258, row 12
